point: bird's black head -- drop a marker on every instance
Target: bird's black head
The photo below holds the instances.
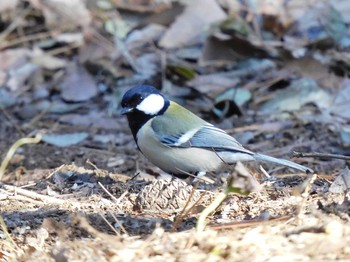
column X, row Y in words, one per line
column 145, row 99
column 142, row 103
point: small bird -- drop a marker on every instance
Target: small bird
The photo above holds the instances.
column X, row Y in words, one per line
column 178, row 141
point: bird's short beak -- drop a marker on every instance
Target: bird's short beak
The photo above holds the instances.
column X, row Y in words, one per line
column 126, row 110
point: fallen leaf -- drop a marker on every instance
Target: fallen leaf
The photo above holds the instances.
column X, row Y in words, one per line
column 308, row 67
column 6, row 98
column 341, row 183
column 189, row 27
column 142, row 6
column 8, row 5
column 340, row 105
column 64, row 140
column 345, row 135
column 229, row 102
column 212, row 84
column 96, row 119
column 13, row 58
column 343, row 7
column 46, row 60
column 20, row 76
column 70, row 38
column 64, row 13
column 189, row 53
column 148, row 64
column 145, row 36
column 117, row 27
column 239, row 95
column 78, row 85
column 57, row 107
column 299, row 93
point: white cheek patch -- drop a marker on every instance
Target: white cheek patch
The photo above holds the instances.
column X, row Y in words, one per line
column 152, row 104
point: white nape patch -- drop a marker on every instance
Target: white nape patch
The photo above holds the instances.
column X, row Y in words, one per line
column 152, row 104
column 185, row 137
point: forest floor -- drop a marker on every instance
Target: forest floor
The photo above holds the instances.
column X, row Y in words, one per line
column 83, row 192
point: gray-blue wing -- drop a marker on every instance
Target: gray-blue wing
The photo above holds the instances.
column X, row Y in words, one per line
column 208, row 137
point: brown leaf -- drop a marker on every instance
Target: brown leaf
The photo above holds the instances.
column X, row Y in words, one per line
column 13, row 58
column 46, row 60
column 190, row 26
column 63, row 13
column 213, row 83
column 341, row 183
column 96, row 119
column 142, row 5
column 78, row 85
column 8, row 5
column 308, row 67
column 341, row 102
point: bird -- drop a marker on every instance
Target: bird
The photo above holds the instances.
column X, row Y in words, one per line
column 178, row 141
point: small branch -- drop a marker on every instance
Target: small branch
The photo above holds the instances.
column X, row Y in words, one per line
column 183, row 212
column 109, row 224
column 33, row 195
column 6, row 232
column 305, row 194
column 119, row 223
column 13, row 148
column 210, row 209
column 108, row 193
column 320, row 155
column 251, row 223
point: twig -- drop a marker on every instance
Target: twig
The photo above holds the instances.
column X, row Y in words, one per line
column 210, row 209
column 251, row 223
column 63, row 49
column 39, row 116
column 109, row 224
column 24, row 39
column 307, row 188
column 8, row 236
column 320, row 155
column 24, row 199
column 14, row 24
column 55, row 171
column 182, row 213
column 13, row 148
column 119, row 223
column 33, row 195
column 11, row 120
column 122, row 196
column 264, row 171
column 83, row 223
column 108, row 193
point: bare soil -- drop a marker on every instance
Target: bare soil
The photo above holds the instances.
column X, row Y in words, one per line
column 61, row 207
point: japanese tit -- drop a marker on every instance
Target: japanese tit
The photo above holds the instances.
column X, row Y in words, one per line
column 178, row 141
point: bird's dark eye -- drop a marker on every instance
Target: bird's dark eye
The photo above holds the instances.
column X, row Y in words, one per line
column 138, row 99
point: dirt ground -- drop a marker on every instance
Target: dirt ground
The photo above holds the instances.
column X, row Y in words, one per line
column 276, row 78
column 58, row 207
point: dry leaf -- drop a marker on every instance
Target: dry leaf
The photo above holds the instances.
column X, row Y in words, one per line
column 13, row 58
column 341, row 183
column 341, row 102
column 47, row 61
column 64, row 13
column 8, row 5
column 189, row 27
column 78, row 85
column 213, row 83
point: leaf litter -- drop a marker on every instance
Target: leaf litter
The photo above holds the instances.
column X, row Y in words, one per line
column 273, row 75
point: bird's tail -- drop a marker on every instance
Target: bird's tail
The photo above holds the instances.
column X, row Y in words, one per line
column 265, row 158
